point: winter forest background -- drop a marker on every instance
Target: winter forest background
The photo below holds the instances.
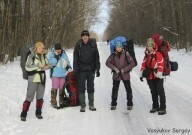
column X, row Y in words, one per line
column 26, row 21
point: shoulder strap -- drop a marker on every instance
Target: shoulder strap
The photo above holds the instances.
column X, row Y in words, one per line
column 128, row 61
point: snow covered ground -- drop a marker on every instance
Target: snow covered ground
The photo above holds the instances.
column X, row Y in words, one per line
column 70, row 121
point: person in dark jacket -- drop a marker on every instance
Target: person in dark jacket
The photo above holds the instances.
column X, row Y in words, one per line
column 121, row 63
column 86, row 63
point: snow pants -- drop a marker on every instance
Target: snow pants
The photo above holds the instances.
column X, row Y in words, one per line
column 115, row 90
column 157, row 93
column 86, row 81
column 33, row 88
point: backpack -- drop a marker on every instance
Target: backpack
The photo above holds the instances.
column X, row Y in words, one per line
column 71, row 86
column 163, row 47
column 130, row 48
column 25, row 52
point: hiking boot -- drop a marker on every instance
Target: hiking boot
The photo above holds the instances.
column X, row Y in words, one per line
column 25, row 109
column 129, row 107
column 162, row 112
column 153, row 110
column 23, row 116
column 38, row 114
column 53, row 98
column 92, row 108
column 61, row 99
column 82, row 109
column 82, row 99
column 39, row 105
column 91, row 99
column 113, row 107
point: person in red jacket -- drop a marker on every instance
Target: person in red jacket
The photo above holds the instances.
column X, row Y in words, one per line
column 152, row 69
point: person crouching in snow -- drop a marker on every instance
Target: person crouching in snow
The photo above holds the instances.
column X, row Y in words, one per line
column 60, row 67
column 152, row 69
column 121, row 63
column 36, row 65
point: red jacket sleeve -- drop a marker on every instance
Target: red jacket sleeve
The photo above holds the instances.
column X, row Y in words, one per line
column 143, row 65
column 159, row 62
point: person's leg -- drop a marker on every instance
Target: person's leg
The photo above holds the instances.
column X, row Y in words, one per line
column 115, row 92
column 90, row 90
column 29, row 98
column 55, row 86
column 161, row 94
column 129, row 94
column 154, row 94
column 61, row 92
column 81, row 88
column 39, row 102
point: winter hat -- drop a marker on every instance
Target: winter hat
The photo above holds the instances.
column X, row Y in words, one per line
column 150, row 42
column 118, row 44
column 57, row 46
column 85, row 33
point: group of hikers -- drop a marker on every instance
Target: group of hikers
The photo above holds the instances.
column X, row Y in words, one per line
column 86, row 65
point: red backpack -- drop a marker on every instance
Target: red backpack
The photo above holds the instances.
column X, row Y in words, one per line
column 163, row 47
column 71, row 86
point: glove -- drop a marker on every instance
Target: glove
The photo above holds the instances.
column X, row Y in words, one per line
column 122, row 71
column 116, row 70
column 70, row 70
column 97, row 74
column 141, row 75
column 159, row 75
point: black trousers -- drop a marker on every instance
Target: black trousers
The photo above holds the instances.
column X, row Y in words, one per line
column 157, row 93
column 86, row 81
column 115, row 90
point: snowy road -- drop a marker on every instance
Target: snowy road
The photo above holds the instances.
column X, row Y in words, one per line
column 70, row 121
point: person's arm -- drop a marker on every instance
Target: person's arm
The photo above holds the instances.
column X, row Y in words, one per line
column 97, row 60
column 159, row 62
column 51, row 59
column 130, row 66
column 110, row 63
column 30, row 65
column 68, row 65
column 75, row 58
column 159, row 65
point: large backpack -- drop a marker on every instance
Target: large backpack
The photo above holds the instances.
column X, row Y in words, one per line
column 71, row 86
column 163, row 47
column 128, row 45
column 130, row 48
column 25, row 52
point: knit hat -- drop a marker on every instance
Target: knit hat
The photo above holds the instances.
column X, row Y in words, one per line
column 57, row 46
column 85, row 33
column 118, row 44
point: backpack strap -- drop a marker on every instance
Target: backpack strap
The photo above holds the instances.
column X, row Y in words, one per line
column 128, row 61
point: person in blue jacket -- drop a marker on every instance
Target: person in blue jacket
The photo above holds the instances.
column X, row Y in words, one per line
column 60, row 67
